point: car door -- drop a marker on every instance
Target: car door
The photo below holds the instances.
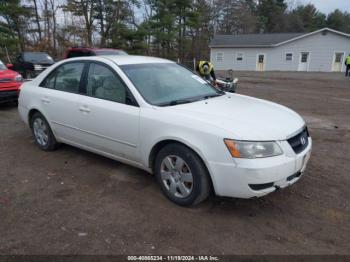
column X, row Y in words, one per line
column 109, row 116
column 59, row 100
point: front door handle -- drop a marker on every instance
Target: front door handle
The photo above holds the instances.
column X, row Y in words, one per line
column 84, row 109
column 45, row 100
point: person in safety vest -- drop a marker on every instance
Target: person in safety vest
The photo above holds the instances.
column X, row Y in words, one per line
column 347, row 63
column 206, row 70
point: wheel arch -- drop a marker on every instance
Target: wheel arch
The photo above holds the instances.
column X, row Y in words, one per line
column 161, row 144
column 31, row 112
column 30, row 115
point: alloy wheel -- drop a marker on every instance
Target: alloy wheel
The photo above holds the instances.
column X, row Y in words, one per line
column 40, row 132
column 176, row 176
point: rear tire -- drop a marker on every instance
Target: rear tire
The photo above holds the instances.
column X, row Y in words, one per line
column 182, row 175
column 43, row 136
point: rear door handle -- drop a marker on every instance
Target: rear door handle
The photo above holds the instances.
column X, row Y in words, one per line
column 45, row 100
column 84, row 109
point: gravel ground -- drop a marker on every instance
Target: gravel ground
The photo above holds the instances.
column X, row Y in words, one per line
column 75, row 202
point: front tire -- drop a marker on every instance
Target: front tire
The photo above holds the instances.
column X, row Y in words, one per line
column 182, row 175
column 42, row 133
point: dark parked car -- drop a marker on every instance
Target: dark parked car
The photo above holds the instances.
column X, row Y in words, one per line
column 89, row 51
column 30, row 64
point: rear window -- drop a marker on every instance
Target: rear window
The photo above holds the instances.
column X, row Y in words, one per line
column 37, row 58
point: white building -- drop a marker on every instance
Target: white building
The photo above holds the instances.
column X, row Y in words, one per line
column 324, row 50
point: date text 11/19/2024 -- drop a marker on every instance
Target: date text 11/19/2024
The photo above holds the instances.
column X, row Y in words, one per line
column 173, row 258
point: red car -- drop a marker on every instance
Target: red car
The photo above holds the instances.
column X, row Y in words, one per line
column 89, row 51
column 10, row 83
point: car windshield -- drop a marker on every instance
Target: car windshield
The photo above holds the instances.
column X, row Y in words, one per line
column 165, row 84
column 110, row 52
column 37, row 57
column 2, row 66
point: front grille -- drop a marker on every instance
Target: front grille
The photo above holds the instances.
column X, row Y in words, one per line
column 6, row 80
column 300, row 141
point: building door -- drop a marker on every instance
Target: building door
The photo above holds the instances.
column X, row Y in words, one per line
column 261, row 62
column 304, row 61
column 338, row 62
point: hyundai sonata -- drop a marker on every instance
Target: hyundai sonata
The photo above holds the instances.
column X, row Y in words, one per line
column 157, row 115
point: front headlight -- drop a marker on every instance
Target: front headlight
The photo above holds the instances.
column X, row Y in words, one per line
column 248, row 149
column 19, row 78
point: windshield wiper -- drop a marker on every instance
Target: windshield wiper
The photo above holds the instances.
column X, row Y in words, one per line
column 186, row 101
column 211, row 96
column 177, row 102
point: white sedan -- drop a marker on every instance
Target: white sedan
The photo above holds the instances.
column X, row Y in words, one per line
column 156, row 115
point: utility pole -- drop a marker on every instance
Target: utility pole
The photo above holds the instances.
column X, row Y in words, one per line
column 7, row 54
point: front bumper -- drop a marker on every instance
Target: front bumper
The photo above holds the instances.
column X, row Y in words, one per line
column 8, row 96
column 247, row 178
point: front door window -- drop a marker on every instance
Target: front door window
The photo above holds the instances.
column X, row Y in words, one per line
column 103, row 83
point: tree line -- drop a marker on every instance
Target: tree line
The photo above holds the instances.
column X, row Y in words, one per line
column 174, row 29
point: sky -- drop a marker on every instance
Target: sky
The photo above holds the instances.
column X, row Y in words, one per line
column 327, row 6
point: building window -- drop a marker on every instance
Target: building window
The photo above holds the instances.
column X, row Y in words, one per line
column 261, row 59
column 219, row 57
column 289, row 56
column 239, row 57
column 304, row 57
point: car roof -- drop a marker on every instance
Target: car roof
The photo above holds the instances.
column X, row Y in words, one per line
column 133, row 59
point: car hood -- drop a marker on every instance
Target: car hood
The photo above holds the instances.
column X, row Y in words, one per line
column 7, row 73
column 243, row 117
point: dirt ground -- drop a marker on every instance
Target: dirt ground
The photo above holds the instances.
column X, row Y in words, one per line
column 74, row 202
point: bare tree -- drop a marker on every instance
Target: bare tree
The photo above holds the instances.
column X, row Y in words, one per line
column 37, row 18
column 86, row 9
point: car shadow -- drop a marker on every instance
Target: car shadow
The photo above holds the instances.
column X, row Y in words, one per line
column 102, row 172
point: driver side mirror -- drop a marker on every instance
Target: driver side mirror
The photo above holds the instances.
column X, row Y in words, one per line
column 9, row 66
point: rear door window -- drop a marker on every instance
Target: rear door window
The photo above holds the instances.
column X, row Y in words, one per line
column 50, row 81
column 68, row 77
column 65, row 78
